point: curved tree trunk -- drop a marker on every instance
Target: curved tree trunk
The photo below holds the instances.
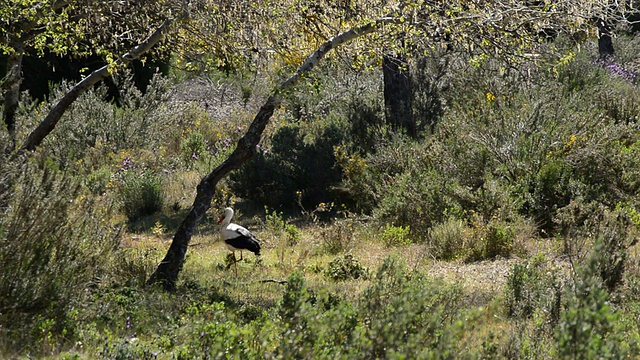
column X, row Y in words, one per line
column 51, row 120
column 167, row 272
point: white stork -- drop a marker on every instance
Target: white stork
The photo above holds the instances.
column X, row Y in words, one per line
column 236, row 237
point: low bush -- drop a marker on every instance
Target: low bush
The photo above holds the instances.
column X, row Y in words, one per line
column 282, row 231
column 100, row 127
column 587, row 326
column 346, row 268
column 97, row 181
column 396, row 235
column 491, row 240
column 140, row 192
column 193, row 148
column 406, row 314
column 340, row 236
column 292, row 166
column 534, row 287
column 612, row 233
column 448, row 240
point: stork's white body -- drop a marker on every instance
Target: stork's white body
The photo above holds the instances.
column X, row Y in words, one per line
column 237, row 237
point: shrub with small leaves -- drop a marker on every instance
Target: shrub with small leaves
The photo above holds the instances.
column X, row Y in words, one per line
column 346, row 268
column 98, row 180
column 396, row 235
column 533, row 286
column 492, row 240
column 406, row 313
column 141, row 193
column 446, row 240
column 339, row 237
column 274, row 177
column 193, row 148
column 293, row 311
column 611, row 248
column 54, row 243
column 586, row 329
column 281, row 229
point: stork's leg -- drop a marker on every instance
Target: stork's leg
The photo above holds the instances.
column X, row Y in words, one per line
column 240, row 255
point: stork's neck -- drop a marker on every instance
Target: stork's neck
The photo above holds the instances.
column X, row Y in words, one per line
column 228, row 214
column 225, row 222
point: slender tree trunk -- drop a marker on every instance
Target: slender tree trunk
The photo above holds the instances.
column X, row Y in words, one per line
column 398, row 94
column 51, row 120
column 167, row 272
column 11, row 93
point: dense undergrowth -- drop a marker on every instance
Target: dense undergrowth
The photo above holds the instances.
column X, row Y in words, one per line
column 532, row 171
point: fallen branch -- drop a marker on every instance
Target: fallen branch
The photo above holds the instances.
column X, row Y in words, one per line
column 281, row 282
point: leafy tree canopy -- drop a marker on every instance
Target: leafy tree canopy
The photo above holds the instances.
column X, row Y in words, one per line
column 78, row 27
column 232, row 34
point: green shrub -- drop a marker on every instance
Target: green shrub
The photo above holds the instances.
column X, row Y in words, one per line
column 340, row 236
column 281, row 229
column 141, row 193
column 551, row 192
column 419, row 199
column 406, row 314
column 296, row 313
column 495, row 239
column 275, row 178
column 345, row 268
column 98, row 180
column 499, row 240
column 447, row 240
column 612, row 248
column 101, row 127
column 221, row 337
column 396, row 235
column 284, row 236
column 193, row 148
column 593, row 226
column 587, row 326
column 399, row 315
column 127, row 349
column 533, row 287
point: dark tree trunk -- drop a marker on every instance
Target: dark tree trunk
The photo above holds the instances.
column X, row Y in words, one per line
column 11, row 93
column 605, row 42
column 397, row 94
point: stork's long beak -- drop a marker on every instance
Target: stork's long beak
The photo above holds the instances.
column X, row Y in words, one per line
column 220, row 219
